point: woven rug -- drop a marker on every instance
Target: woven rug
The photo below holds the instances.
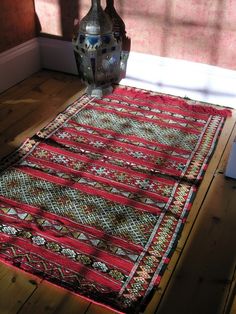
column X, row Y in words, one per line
column 96, row 201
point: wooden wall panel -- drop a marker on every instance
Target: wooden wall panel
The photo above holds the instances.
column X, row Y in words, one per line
column 17, row 23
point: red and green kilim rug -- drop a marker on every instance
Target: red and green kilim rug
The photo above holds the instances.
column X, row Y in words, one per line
column 96, row 201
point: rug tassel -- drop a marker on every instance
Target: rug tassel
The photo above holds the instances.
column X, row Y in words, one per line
column 209, row 110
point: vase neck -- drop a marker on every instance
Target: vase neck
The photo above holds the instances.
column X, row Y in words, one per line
column 110, row 3
column 96, row 3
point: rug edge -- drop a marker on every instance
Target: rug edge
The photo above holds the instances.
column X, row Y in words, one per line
column 194, row 105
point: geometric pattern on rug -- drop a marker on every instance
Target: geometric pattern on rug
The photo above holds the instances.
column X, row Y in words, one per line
column 95, row 202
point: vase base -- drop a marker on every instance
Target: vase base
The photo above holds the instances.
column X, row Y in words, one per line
column 99, row 92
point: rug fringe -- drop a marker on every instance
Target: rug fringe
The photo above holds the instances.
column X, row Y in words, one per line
column 204, row 108
column 201, row 108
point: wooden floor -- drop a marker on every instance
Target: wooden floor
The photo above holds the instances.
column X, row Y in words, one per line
column 200, row 278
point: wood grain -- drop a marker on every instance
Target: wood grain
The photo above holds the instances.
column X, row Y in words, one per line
column 23, row 113
column 15, row 288
column 49, row 299
column 202, row 278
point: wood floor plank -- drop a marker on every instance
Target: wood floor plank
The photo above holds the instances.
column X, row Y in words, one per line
column 233, row 308
column 25, row 86
column 98, row 309
column 32, row 83
column 35, row 110
column 15, row 288
column 230, row 305
column 35, row 102
column 49, row 299
column 202, row 278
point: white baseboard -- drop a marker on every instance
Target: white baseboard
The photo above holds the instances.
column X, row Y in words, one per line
column 57, row 55
column 18, row 63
